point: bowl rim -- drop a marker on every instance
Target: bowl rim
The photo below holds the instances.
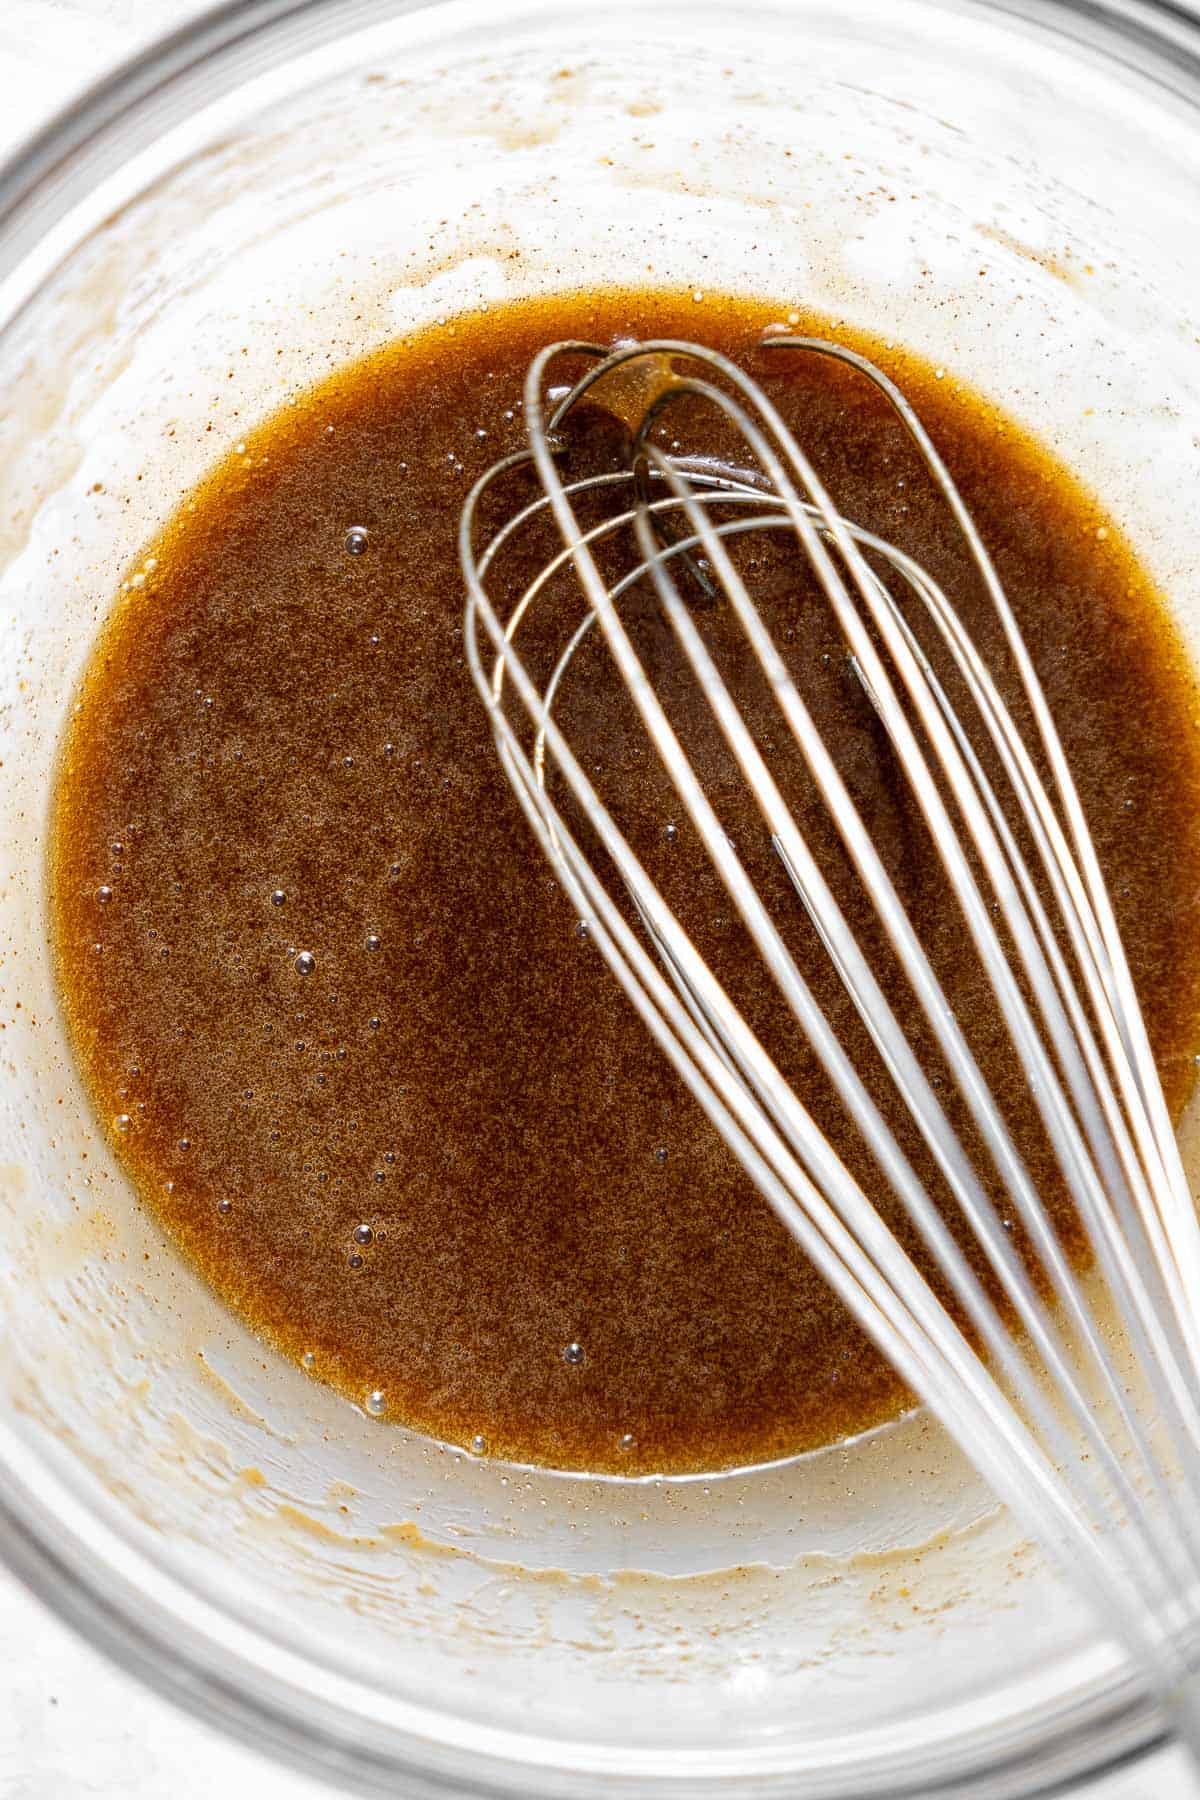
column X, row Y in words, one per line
column 105, row 1588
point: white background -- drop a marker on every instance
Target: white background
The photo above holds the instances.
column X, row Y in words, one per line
column 70, row 1724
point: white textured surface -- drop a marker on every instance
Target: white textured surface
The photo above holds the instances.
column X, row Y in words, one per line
column 70, row 1724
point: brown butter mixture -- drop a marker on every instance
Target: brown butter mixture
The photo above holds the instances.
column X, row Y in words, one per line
column 332, row 1006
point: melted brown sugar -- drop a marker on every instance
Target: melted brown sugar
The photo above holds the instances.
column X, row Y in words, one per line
column 448, row 1151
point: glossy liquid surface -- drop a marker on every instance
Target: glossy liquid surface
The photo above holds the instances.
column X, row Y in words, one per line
column 332, row 1007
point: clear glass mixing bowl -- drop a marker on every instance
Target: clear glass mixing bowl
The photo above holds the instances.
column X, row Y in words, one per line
column 1008, row 187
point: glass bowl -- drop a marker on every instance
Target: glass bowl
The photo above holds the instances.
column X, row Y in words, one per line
column 1008, row 188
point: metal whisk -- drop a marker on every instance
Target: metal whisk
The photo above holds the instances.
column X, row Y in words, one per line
column 1102, row 1467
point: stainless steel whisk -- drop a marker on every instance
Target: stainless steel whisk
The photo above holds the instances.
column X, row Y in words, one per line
column 1104, row 1469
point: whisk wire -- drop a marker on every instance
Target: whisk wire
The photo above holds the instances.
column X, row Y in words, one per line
column 885, row 1031
column 1091, row 906
column 1030, row 1418
column 1017, row 1469
column 1084, row 1179
column 894, row 1049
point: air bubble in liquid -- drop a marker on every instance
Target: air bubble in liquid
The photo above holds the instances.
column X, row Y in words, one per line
column 478, row 1444
column 363, row 1234
column 308, row 1360
column 376, row 1402
column 224, row 1207
column 374, row 942
column 104, row 894
column 356, row 540
column 573, row 1354
column 122, row 1121
column 305, row 963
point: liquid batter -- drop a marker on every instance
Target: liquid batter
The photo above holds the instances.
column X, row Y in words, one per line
column 333, row 1009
